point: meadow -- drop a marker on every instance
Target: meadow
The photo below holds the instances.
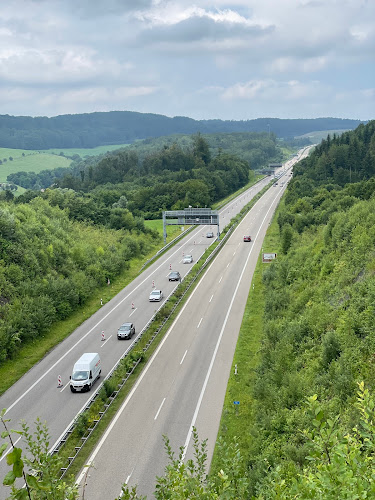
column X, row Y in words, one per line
column 25, row 160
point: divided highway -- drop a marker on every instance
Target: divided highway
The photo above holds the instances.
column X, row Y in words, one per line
column 165, row 399
column 184, row 383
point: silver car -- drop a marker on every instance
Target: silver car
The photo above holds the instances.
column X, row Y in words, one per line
column 156, row 296
column 188, row 259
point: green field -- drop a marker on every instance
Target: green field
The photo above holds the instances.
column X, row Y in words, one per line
column 318, row 136
column 99, row 150
column 31, row 162
column 25, row 160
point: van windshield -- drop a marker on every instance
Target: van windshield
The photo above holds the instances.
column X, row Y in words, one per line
column 80, row 375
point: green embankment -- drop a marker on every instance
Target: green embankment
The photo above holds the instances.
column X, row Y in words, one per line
column 308, row 330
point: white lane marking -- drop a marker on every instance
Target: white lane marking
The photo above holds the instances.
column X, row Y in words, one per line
column 9, row 449
column 200, row 321
column 200, row 399
column 65, row 386
column 142, row 376
column 133, row 311
column 127, row 479
column 228, row 265
column 234, row 254
column 88, row 333
column 220, row 279
column 160, row 407
column 139, row 381
column 183, row 357
column 106, row 340
column 211, row 298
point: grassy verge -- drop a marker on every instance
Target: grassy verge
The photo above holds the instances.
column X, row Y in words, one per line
column 237, row 419
column 140, row 354
column 29, row 355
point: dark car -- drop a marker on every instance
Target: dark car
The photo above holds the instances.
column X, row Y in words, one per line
column 210, row 234
column 247, row 238
column 126, row 331
column 174, row 276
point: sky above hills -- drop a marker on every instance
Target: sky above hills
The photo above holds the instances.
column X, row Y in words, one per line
column 227, row 59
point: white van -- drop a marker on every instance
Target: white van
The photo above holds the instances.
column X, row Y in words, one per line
column 85, row 371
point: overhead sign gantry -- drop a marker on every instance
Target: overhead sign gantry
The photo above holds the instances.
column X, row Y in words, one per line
column 190, row 217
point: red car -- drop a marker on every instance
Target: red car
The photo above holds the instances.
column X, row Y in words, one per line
column 247, row 238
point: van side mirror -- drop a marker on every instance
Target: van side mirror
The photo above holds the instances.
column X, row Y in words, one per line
column 70, row 377
column 90, row 374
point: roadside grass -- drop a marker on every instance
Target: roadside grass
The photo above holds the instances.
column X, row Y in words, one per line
column 13, row 369
column 162, row 323
column 75, row 438
column 157, row 224
column 236, row 419
column 219, row 204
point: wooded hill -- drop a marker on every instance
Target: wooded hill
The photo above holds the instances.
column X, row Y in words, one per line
column 58, row 246
column 164, row 176
column 119, row 127
column 318, row 335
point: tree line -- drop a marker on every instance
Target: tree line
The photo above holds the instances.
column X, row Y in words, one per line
column 312, row 430
column 51, row 265
column 170, row 177
column 89, row 130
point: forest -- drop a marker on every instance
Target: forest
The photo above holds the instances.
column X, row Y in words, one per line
column 200, row 170
column 59, row 245
column 311, row 429
column 255, row 148
column 120, row 127
column 318, row 330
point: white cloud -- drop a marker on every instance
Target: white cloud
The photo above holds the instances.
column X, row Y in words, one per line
column 203, row 59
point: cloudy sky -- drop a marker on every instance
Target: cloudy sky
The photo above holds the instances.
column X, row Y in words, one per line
column 228, row 59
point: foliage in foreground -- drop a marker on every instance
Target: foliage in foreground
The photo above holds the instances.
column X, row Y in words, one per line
column 339, row 464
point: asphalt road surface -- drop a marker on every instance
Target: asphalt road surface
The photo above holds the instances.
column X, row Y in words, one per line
column 184, row 383
column 36, row 394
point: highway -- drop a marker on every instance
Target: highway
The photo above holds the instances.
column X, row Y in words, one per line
column 36, row 394
column 184, row 383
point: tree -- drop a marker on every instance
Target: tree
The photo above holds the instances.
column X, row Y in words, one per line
column 201, row 149
column 38, row 468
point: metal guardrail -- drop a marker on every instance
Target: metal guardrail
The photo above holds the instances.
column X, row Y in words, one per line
column 68, row 431
column 165, row 247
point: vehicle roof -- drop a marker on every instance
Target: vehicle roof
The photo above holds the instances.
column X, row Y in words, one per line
column 156, row 291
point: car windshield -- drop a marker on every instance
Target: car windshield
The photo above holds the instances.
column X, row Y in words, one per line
column 80, row 375
column 156, row 294
column 125, row 328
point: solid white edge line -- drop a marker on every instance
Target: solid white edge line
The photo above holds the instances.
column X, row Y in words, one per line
column 200, row 399
column 88, row 333
column 136, row 385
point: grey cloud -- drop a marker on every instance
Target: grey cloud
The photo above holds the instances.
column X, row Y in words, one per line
column 197, row 28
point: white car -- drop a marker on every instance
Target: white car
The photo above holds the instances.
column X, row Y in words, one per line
column 188, row 259
column 156, row 296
